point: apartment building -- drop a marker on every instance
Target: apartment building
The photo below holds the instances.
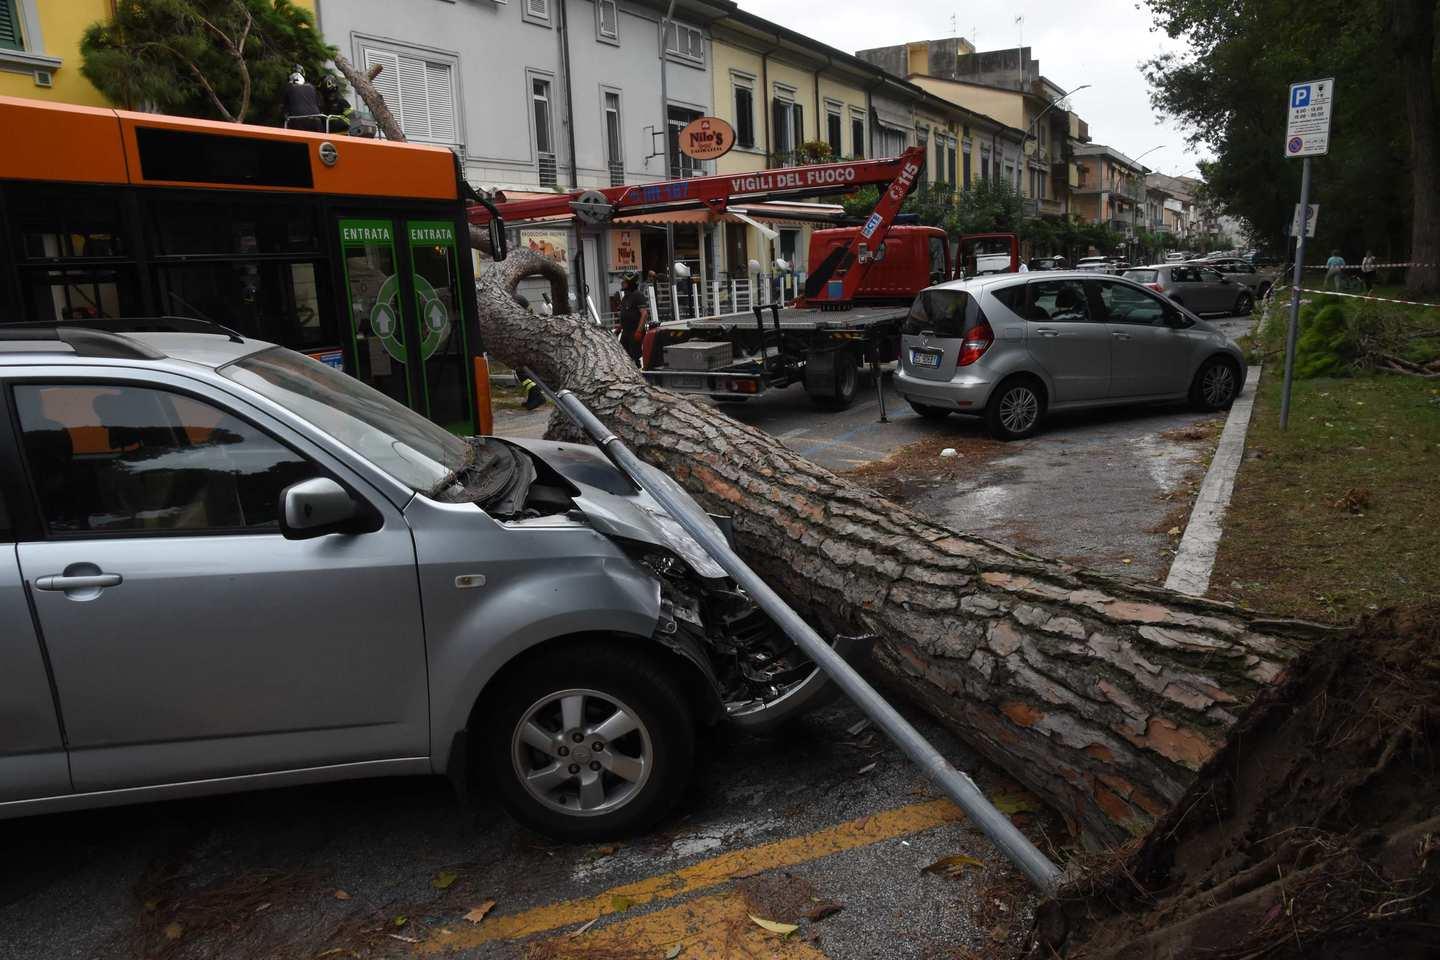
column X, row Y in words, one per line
column 1110, row 188
column 1005, row 86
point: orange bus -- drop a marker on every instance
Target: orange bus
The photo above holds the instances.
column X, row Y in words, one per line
column 352, row 251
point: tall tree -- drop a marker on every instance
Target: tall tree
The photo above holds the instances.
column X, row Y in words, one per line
column 1230, row 89
column 220, row 59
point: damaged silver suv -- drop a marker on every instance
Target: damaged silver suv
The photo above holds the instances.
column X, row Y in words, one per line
column 227, row 566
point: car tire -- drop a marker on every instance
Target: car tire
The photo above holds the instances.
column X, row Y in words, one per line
column 1015, row 408
column 929, row 412
column 1244, row 304
column 1216, row 384
column 641, row 772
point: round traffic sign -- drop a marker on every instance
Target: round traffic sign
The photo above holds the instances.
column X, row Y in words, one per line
column 592, row 207
column 1295, row 144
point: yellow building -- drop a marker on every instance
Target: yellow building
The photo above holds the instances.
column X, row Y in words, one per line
column 40, row 48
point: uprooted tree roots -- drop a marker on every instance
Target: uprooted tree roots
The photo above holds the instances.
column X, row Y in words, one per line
column 1315, row 832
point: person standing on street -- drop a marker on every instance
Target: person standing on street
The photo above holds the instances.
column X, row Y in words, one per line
column 1334, row 268
column 1367, row 271
column 634, row 316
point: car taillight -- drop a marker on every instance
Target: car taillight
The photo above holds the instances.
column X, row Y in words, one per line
column 977, row 340
column 1156, row 287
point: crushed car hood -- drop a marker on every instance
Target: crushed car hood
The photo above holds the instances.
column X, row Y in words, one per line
column 613, row 505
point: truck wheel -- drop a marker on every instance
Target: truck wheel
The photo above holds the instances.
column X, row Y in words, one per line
column 590, row 743
column 846, row 383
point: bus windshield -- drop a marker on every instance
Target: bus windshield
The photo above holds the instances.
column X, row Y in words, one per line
column 390, row 435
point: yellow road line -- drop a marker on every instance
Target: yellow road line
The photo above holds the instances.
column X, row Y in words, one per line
column 716, row 927
column 886, row 825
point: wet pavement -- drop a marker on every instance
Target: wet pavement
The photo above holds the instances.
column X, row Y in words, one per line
column 771, row 827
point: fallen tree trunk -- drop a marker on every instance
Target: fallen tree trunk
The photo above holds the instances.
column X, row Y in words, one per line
column 1103, row 695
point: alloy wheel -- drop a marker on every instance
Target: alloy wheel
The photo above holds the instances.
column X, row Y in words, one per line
column 1019, row 409
column 582, row 752
column 1218, row 385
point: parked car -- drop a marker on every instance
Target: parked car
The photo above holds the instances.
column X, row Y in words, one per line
column 1095, row 264
column 1198, row 286
column 230, row 566
column 1176, row 256
column 1012, row 350
column 1048, row 263
column 1242, row 271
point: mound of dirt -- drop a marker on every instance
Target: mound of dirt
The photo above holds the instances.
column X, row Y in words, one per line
column 1314, row 833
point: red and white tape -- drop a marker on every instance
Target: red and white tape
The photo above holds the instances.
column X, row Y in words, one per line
column 1366, row 296
column 1356, row 266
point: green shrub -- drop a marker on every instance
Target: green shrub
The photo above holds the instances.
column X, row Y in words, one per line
column 1326, row 346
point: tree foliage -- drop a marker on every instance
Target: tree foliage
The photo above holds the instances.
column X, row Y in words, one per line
column 218, row 59
column 1230, row 90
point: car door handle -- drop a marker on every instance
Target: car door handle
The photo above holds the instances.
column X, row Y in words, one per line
column 58, row 581
column 1119, row 335
column 1047, row 332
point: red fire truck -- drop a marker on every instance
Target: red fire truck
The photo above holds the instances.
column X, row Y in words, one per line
column 862, row 281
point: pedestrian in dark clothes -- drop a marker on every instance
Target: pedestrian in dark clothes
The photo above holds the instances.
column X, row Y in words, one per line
column 634, row 316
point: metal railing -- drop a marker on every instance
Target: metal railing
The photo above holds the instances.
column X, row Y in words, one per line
column 547, row 169
column 617, row 173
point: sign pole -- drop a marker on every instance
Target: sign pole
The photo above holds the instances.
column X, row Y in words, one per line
column 1295, row 296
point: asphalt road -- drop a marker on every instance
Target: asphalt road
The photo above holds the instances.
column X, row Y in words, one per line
column 771, row 827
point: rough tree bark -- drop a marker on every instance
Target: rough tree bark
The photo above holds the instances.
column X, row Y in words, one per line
column 1102, row 694
column 1412, row 27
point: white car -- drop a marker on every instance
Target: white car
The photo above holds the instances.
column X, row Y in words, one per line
column 1095, row 264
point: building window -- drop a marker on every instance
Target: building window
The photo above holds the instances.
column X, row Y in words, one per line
column 965, row 161
column 544, row 131
column 420, row 92
column 607, row 21
column 537, row 11
column 614, row 152
column 922, row 140
column 684, row 41
column 10, row 37
column 681, row 165
column 857, row 136
column 788, row 122
column 834, row 130
column 744, row 90
column 889, row 141
column 950, row 161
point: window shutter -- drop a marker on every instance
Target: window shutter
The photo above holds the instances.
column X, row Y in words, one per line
column 608, row 16
column 799, row 135
column 538, row 8
column 779, row 117
column 440, row 96
column 10, row 38
column 744, row 117
column 387, row 84
column 697, row 44
column 416, row 122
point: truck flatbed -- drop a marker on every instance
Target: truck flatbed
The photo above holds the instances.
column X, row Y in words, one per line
column 794, row 320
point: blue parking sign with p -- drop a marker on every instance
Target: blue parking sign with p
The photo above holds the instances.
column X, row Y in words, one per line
column 1300, row 95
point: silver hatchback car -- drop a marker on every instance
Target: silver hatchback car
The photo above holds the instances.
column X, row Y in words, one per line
column 226, row 566
column 1013, row 348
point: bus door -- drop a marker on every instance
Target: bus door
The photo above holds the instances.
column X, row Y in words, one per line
column 407, row 325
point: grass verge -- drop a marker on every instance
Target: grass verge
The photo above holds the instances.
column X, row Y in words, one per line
column 1336, row 516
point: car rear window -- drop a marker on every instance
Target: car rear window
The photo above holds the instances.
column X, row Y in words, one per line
column 944, row 313
column 1141, row 276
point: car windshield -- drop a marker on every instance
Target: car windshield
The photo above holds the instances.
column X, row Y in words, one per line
column 393, row 437
column 1140, row 276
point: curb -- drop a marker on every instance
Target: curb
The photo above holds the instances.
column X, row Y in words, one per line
column 1195, row 558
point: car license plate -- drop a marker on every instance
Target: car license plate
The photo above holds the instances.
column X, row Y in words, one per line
column 925, row 358
column 686, row 383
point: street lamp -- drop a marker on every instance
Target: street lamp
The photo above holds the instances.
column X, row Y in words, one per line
column 1031, row 132
column 1148, row 152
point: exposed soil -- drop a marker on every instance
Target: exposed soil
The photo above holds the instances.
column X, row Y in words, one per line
column 916, row 468
column 1315, row 833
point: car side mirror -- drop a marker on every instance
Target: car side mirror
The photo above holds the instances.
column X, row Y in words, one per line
column 315, row 507
column 1174, row 318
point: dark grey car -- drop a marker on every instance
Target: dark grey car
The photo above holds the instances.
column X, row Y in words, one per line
column 1201, row 289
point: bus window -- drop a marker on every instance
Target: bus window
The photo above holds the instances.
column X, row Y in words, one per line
column 87, row 293
column 442, row 324
column 372, row 287
column 269, row 299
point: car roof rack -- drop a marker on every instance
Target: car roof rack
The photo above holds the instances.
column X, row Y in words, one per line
column 84, row 341
column 154, row 325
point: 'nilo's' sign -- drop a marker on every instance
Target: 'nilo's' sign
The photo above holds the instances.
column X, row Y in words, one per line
column 706, row 138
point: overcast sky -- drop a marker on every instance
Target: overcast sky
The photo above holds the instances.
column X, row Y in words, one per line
column 1099, row 42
